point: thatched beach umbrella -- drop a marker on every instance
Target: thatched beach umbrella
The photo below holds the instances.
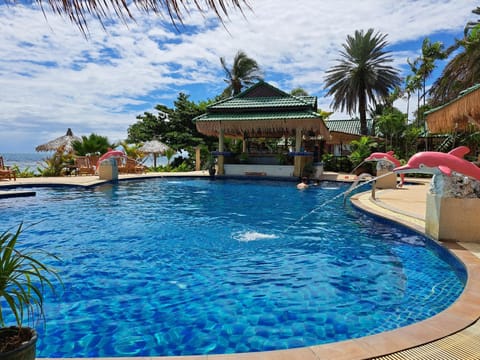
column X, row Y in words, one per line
column 63, row 143
column 154, row 147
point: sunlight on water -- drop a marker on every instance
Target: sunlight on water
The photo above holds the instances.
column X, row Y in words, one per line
column 179, row 284
column 252, row 236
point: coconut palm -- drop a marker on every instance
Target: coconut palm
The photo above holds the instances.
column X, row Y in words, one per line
column 244, row 72
column 79, row 10
column 361, row 75
column 463, row 70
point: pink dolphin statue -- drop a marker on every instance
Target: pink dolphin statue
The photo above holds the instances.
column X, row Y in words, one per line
column 388, row 156
column 111, row 153
column 432, row 162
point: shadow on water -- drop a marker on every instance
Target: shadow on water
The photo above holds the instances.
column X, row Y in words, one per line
column 365, row 177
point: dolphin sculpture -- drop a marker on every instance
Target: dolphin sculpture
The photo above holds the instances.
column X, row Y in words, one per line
column 388, row 156
column 432, row 162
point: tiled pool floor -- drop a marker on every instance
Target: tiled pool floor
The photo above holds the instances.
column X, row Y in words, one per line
column 452, row 334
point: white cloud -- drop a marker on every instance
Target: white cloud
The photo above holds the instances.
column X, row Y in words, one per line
column 52, row 78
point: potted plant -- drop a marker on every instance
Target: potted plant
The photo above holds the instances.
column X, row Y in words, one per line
column 23, row 280
column 210, row 165
column 243, row 158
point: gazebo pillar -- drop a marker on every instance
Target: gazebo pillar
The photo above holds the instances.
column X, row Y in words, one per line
column 221, row 149
column 297, row 160
column 198, row 164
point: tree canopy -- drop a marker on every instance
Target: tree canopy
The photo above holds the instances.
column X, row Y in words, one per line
column 174, row 127
column 362, row 74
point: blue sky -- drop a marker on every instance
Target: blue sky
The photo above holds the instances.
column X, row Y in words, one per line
column 52, row 78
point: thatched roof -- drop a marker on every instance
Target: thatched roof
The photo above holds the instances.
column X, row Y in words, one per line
column 262, row 111
column 62, row 143
column 458, row 114
column 153, row 147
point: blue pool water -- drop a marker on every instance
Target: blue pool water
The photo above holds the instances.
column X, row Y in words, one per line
column 177, row 267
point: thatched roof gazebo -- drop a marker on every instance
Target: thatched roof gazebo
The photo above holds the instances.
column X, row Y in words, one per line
column 458, row 114
column 263, row 111
column 154, row 147
column 62, row 143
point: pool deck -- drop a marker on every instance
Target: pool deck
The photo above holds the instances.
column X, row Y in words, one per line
column 451, row 334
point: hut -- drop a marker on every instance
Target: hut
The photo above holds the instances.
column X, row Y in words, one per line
column 458, row 115
column 263, row 111
column 342, row 133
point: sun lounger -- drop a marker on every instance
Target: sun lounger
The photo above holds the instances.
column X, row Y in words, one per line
column 6, row 172
column 84, row 166
column 130, row 166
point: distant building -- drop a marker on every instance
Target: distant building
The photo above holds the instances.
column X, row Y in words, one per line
column 342, row 132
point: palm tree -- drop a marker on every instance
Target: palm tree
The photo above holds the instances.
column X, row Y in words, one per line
column 362, row 75
column 92, row 144
column 463, row 70
column 244, row 72
column 422, row 67
column 78, row 10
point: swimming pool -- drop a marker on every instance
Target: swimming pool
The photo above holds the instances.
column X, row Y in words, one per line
column 177, row 267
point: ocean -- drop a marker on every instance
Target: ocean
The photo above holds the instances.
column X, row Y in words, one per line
column 25, row 161
column 32, row 161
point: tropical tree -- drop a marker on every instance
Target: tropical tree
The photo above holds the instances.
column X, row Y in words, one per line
column 361, row 149
column 150, row 126
column 244, row 72
column 132, row 150
column 173, row 127
column 92, row 144
column 413, row 83
column 391, row 124
column 299, row 92
column 463, row 70
column 78, row 11
column 422, row 67
column 362, row 74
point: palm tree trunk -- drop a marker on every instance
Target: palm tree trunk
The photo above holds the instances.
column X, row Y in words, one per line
column 362, row 109
column 408, row 106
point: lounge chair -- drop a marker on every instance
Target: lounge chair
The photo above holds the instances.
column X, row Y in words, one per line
column 130, row 166
column 6, row 172
column 84, row 166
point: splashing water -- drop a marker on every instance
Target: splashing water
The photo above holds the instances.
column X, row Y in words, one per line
column 355, row 185
column 356, row 167
column 253, row 236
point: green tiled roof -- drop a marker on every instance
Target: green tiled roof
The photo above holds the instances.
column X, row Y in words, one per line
column 256, row 116
column 262, row 110
column 263, row 103
column 348, row 126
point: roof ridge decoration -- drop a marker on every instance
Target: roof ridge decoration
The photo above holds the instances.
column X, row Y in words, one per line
column 262, row 84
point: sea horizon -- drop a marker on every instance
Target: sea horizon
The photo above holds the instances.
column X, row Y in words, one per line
column 32, row 161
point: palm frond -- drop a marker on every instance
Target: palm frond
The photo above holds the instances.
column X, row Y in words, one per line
column 78, row 11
